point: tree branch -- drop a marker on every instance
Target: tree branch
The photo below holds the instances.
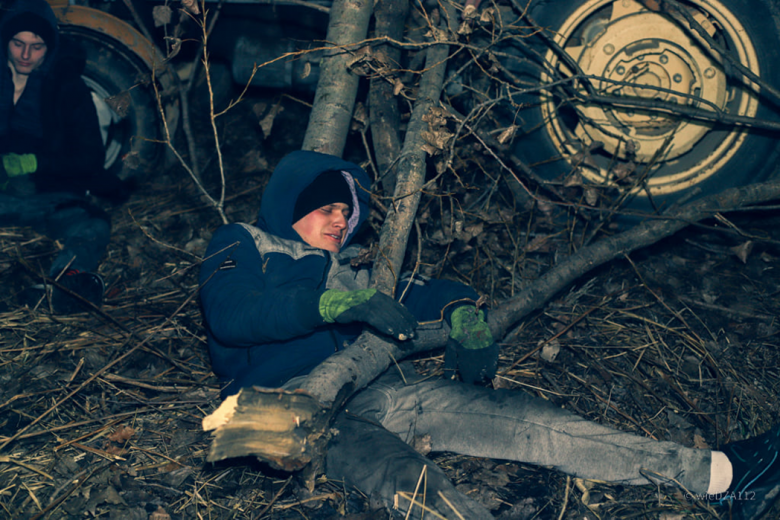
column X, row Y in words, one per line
column 334, row 101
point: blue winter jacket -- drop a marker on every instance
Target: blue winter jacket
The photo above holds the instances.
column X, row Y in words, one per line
column 261, row 285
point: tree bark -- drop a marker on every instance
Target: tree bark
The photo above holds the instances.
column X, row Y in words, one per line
column 411, row 170
column 384, row 113
column 334, row 101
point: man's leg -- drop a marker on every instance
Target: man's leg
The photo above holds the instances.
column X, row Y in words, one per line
column 512, row 425
column 377, row 462
column 83, row 228
column 364, row 455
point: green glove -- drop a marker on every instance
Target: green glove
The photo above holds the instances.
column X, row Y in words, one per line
column 368, row 306
column 470, row 349
column 16, row 165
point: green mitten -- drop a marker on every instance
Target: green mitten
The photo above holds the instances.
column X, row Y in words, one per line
column 15, row 164
column 471, row 349
column 368, row 306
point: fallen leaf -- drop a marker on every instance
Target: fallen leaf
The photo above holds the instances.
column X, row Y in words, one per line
column 160, row 514
column 119, row 103
column 507, row 134
column 700, row 443
column 622, row 171
column 573, row 180
column 465, row 27
column 363, row 62
column 488, row 15
column 267, row 122
column 306, row 72
column 174, row 46
column 544, row 205
column 115, row 450
column 743, row 250
column 132, row 160
column 551, row 350
column 539, row 244
column 591, row 196
column 122, row 434
column 161, row 14
column 110, row 496
column 398, row 86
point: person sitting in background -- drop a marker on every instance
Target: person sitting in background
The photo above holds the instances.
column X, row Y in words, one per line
column 51, row 152
column 281, row 296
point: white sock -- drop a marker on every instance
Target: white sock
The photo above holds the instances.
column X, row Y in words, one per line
column 721, row 473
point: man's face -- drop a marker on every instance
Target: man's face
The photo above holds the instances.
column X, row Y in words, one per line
column 26, row 52
column 324, row 228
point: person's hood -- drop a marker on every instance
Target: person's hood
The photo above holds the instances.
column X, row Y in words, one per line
column 42, row 9
column 292, row 175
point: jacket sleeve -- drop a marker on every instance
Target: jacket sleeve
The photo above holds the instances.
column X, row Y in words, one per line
column 248, row 300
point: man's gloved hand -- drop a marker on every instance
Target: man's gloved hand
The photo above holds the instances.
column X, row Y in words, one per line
column 470, row 348
column 16, row 164
column 368, row 306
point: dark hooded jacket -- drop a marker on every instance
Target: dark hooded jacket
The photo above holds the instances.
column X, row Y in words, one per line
column 261, row 285
column 54, row 118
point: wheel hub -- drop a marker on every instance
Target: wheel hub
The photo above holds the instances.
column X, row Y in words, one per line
column 639, row 49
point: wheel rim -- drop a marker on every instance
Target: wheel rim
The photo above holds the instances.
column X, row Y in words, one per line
column 621, row 40
column 110, row 122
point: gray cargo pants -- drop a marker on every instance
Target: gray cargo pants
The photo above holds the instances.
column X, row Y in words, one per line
column 371, row 452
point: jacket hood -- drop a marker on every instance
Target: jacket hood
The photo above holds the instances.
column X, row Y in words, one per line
column 41, row 9
column 294, row 173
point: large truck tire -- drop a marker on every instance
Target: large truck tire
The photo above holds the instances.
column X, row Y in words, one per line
column 118, row 70
column 649, row 160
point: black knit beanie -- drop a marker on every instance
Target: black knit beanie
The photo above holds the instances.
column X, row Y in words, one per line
column 327, row 188
column 28, row 21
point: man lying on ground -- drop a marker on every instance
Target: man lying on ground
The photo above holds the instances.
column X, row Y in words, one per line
column 282, row 296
